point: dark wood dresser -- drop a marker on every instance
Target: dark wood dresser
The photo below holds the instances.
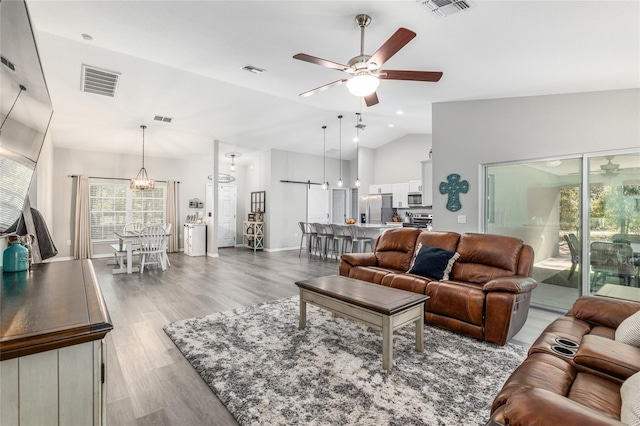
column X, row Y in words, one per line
column 52, row 352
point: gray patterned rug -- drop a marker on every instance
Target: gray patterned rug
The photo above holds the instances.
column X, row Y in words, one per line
column 267, row 372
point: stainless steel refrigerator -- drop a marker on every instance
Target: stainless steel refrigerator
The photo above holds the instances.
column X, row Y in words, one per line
column 376, row 209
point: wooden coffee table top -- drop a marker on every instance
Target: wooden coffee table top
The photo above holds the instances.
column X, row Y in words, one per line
column 374, row 297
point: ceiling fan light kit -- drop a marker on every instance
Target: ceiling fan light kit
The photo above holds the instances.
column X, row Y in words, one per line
column 363, row 84
column 365, row 71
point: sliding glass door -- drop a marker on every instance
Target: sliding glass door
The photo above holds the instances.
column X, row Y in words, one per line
column 539, row 202
column 571, row 218
column 614, row 226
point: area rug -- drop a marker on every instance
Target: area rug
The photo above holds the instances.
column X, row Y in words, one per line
column 268, row 372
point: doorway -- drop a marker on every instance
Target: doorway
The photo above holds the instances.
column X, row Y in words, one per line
column 317, row 205
column 227, row 203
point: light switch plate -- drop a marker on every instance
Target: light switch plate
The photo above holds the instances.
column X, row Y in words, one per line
column 462, row 218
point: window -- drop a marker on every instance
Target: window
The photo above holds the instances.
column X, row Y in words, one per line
column 115, row 205
column 15, row 177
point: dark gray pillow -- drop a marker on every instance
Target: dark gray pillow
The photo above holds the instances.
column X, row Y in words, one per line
column 433, row 262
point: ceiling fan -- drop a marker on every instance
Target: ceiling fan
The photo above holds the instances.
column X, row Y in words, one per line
column 610, row 169
column 365, row 71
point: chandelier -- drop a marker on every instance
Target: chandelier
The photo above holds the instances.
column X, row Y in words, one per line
column 142, row 181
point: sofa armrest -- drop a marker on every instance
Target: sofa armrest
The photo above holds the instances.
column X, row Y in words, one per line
column 514, row 284
column 605, row 311
column 536, row 406
column 360, row 259
column 608, row 356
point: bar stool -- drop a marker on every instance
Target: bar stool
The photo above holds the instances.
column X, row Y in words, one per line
column 359, row 239
column 324, row 233
column 308, row 232
column 341, row 238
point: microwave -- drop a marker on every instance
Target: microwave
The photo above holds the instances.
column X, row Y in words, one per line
column 415, row 199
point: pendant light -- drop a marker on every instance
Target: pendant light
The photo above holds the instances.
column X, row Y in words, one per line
column 142, row 181
column 358, row 119
column 233, row 156
column 325, row 184
column 340, row 179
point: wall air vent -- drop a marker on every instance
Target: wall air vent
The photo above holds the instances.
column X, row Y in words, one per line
column 444, row 8
column 7, row 63
column 99, row 81
column 163, row 119
column 253, row 69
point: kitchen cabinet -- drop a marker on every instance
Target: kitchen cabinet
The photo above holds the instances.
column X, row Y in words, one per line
column 385, row 188
column 52, row 347
column 253, row 235
column 427, row 183
column 195, row 239
column 400, row 193
column 415, row 186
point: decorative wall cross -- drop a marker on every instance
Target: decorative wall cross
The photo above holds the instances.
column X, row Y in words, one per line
column 454, row 187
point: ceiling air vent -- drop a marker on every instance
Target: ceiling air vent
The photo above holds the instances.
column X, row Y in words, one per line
column 253, row 69
column 99, row 81
column 7, row 63
column 444, row 8
column 163, row 119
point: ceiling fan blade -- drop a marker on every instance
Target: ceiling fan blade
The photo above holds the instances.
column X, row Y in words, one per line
column 320, row 61
column 411, row 75
column 325, row 87
column 371, row 100
column 390, row 47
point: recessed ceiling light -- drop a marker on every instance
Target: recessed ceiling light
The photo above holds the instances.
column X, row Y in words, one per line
column 391, row 125
column 399, row 112
column 87, row 37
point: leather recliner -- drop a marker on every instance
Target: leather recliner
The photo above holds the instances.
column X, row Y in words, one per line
column 487, row 294
column 572, row 383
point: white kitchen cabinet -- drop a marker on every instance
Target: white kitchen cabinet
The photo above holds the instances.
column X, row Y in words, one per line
column 385, row 188
column 400, row 193
column 427, row 183
column 195, row 239
column 415, row 186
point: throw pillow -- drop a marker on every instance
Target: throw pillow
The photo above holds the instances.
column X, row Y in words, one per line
column 628, row 331
column 433, row 262
column 630, row 410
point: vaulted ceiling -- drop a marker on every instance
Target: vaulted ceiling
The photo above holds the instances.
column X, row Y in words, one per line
column 183, row 59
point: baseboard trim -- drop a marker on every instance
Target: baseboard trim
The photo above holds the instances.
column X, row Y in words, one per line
column 212, row 254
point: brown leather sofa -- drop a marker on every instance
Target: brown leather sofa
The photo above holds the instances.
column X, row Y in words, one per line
column 581, row 384
column 488, row 291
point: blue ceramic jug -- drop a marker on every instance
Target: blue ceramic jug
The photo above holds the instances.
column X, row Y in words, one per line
column 15, row 258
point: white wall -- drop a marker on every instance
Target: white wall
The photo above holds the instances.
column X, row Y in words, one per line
column 287, row 202
column 468, row 134
column 191, row 174
column 399, row 160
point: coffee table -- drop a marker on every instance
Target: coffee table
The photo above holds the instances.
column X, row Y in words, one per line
column 383, row 308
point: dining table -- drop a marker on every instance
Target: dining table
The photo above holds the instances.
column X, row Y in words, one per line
column 125, row 243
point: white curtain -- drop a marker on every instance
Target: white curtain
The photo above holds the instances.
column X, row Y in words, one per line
column 171, row 215
column 82, row 237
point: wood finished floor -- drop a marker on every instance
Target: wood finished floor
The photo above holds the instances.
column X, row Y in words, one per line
column 149, row 382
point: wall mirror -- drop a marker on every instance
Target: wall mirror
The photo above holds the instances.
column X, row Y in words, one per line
column 258, row 202
column 24, row 114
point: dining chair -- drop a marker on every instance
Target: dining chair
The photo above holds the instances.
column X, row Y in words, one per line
column 613, row 259
column 133, row 227
column 572, row 243
column 153, row 247
column 308, row 232
column 341, row 239
column 167, row 230
column 359, row 239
